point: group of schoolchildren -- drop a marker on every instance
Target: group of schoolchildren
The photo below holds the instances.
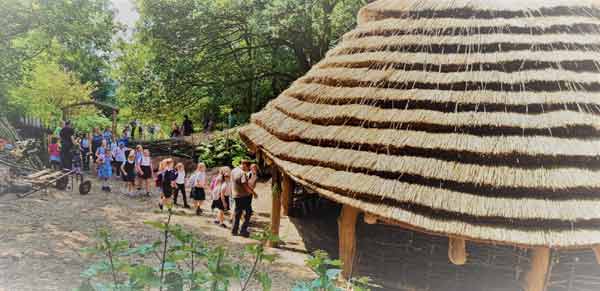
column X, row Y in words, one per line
column 224, row 190
column 113, row 157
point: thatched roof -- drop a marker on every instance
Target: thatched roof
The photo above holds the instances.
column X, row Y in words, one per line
column 470, row 118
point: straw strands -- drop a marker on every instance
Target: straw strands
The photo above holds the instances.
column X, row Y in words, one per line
column 470, row 118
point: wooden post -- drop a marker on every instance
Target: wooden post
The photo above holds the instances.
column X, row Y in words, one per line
column 457, row 251
column 347, row 238
column 114, row 123
column 287, row 191
column 275, row 202
column 535, row 280
column 596, row 250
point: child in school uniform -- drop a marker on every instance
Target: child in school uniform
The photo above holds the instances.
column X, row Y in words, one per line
column 220, row 195
column 104, row 159
column 180, row 185
column 145, row 170
column 168, row 177
column 128, row 173
column 197, row 183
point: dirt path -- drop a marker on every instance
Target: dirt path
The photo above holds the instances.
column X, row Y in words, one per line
column 41, row 236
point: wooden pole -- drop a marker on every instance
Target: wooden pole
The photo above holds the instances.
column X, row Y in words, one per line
column 114, row 123
column 347, row 238
column 275, row 202
column 457, row 251
column 596, row 250
column 287, row 191
column 535, row 280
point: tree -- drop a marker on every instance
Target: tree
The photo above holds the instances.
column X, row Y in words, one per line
column 47, row 90
column 77, row 33
column 200, row 54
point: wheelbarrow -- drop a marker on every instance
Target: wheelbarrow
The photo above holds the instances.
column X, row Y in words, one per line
column 59, row 179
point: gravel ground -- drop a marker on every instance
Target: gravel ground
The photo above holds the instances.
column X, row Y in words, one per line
column 42, row 236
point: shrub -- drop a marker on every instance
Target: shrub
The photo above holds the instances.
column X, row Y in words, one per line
column 224, row 150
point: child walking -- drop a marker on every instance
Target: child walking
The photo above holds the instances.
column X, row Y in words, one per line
column 104, row 159
column 145, row 170
column 180, row 184
column 168, row 177
column 54, row 152
column 220, row 195
column 197, row 183
column 128, row 173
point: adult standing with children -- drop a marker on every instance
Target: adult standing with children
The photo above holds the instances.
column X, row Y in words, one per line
column 242, row 194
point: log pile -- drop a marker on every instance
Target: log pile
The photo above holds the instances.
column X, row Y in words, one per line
column 23, row 156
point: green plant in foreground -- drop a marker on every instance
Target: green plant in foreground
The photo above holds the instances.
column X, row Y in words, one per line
column 328, row 276
column 177, row 261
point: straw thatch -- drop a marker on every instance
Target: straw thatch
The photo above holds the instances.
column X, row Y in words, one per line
column 478, row 119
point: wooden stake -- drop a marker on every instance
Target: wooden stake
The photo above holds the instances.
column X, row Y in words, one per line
column 275, row 203
column 535, row 280
column 457, row 251
column 287, row 191
column 114, row 123
column 596, row 250
column 347, row 238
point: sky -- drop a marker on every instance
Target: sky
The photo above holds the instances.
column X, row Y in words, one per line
column 126, row 14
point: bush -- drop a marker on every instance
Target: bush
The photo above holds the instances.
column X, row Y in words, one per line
column 85, row 123
column 183, row 262
column 224, row 150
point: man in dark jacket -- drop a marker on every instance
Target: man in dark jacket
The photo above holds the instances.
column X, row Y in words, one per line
column 188, row 126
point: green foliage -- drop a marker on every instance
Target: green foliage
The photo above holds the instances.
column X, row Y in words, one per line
column 47, row 90
column 76, row 35
column 183, row 262
column 195, row 56
column 328, row 272
column 87, row 122
column 227, row 150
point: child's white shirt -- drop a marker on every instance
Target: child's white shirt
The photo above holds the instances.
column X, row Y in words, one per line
column 180, row 177
column 197, row 177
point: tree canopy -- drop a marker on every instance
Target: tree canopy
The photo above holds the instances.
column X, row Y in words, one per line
column 76, row 36
column 198, row 55
column 217, row 61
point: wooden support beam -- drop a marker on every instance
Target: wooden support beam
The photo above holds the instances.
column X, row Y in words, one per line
column 114, row 123
column 287, row 191
column 275, row 202
column 536, row 277
column 596, row 250
column 457, row 251
column 347, row 238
